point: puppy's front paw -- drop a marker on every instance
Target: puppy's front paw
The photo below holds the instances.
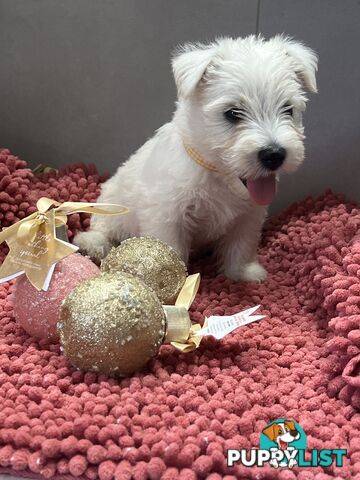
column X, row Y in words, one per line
column 93, row 243
column 251, row 272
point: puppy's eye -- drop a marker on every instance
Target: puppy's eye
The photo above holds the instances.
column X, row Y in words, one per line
column 287, row 109
column 234, row 115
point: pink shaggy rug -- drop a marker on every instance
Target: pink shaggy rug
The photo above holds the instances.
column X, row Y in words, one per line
column 176, row 419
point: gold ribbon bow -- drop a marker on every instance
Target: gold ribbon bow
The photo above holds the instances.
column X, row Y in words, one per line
column 180, row 331
column 34, row 248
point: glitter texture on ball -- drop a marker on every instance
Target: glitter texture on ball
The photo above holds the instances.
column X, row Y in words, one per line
column 152, row 260
column 111, row 324
column 38, row 311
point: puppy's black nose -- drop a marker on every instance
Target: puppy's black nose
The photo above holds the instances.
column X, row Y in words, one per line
column 272, row 157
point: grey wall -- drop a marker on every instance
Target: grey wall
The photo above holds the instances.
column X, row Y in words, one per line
column 90, row 80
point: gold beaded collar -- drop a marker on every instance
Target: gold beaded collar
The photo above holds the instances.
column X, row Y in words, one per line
column 197, row 157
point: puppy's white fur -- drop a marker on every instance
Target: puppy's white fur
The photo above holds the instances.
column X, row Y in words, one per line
column 178, row 201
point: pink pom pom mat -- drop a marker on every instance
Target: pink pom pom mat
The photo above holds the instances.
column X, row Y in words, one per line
column 176, row 419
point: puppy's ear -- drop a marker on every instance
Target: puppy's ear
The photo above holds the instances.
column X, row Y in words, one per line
column 271, row 431
column 290, row 424
column 189, row 65
column 305, row 62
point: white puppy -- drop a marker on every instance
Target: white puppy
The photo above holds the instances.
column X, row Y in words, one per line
column 207, row 176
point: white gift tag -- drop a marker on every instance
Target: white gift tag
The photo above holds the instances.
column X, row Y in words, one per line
column 219, row 326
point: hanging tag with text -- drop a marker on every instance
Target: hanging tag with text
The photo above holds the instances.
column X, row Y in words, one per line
column 219, row 326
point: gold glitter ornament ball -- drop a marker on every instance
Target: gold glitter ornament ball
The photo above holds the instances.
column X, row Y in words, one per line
column 152, row 260
column 111, row 324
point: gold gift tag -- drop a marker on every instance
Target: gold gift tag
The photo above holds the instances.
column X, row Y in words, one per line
column 36, row 256
column 34, row 246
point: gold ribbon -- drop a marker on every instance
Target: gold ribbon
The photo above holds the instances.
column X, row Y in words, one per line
column 192, row 343
column 34, row 247
column 188, row 292
column 186, row 341
column 26, row 229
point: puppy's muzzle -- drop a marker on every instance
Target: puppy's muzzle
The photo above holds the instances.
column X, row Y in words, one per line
column 272, row 157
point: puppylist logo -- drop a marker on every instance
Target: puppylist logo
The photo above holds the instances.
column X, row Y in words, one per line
column 283, row 445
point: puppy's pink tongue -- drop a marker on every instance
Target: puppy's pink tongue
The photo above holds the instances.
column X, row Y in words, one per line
column 262, row 190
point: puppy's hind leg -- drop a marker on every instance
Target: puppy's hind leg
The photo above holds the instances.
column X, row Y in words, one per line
column 96, row 242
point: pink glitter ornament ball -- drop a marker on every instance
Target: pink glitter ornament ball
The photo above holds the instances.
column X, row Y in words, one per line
column 38, row 311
